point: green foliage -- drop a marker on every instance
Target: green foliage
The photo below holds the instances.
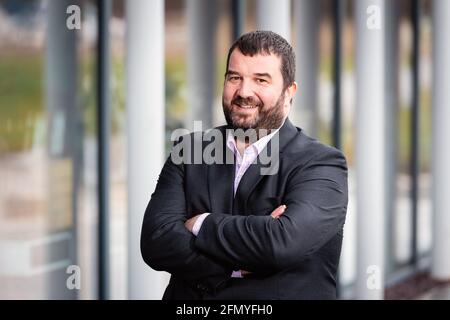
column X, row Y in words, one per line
column 21, row 100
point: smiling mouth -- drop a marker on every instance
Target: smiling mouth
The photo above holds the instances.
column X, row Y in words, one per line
column 246, row 106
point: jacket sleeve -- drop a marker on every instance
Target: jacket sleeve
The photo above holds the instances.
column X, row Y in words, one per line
column 166, row 244
column 316, row 199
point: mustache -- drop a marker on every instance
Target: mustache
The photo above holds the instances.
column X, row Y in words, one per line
column 240, row 101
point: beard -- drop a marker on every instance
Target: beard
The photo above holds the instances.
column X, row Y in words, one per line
column 264, row 117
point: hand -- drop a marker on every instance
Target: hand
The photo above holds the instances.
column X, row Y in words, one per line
column 278, row 211
column 189, row 224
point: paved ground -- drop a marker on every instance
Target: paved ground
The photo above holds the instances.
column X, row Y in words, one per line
column 439, row 293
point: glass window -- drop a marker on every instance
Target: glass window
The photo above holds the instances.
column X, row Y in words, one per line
column 47, row 150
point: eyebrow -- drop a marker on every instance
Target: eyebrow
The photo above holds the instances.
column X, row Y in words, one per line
column 265, row 74
column 258, row 74
column 230, row 72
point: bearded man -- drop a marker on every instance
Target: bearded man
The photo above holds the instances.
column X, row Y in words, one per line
column 228, row 230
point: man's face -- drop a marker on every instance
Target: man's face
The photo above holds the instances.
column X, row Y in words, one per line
column 253, row 95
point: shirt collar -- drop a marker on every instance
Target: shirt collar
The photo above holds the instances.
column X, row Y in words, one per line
column 258, row 145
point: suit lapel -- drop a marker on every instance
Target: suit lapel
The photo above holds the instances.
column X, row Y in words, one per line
column 221, row 176
column 253, row 175
column 221, row 181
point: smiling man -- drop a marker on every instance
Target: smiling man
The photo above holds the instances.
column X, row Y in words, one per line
column 227, row 231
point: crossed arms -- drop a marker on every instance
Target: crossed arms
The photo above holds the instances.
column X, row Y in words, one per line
column 316, row 200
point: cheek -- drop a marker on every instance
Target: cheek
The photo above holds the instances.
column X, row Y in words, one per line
column 268, row 98
column 228, row 93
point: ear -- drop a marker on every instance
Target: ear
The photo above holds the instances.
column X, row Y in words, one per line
column 290, row 92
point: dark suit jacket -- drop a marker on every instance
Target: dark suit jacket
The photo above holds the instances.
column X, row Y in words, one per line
column 293, row 257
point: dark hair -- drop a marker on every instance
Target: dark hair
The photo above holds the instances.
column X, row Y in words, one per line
column 268, row 42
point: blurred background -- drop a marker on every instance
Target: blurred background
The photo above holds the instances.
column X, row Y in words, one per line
column 90, row 92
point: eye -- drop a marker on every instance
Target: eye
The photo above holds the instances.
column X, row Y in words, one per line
column 260, row 80
column 233, row 78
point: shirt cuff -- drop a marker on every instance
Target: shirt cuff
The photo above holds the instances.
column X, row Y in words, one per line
column 237, row 274
column 198, row 223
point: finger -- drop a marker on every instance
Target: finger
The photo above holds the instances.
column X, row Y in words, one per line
column 278, row 211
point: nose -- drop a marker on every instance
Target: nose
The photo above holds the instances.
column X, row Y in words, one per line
column 245, row 89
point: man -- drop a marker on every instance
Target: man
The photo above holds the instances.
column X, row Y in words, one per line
column 227, row 231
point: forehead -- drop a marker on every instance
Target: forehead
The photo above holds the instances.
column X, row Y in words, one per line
column 258, row 63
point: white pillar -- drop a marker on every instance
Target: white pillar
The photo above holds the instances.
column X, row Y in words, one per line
column 370, row 148
column 441, row 148
column 145, row 132
column 391, row 98
column 274, row 15
column 201, row 66
column 304, row 112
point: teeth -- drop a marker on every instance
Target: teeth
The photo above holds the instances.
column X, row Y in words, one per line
column 248, row 107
